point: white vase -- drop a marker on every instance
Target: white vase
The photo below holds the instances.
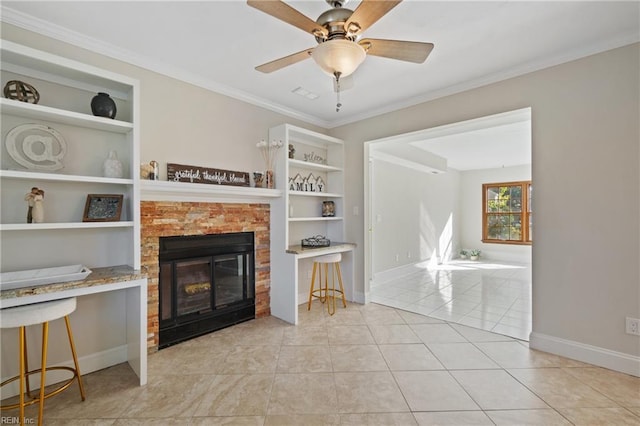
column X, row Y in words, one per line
column 112, row 167
column 38, row 209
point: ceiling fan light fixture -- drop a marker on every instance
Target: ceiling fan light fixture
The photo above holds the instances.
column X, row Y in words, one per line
column 339, row 56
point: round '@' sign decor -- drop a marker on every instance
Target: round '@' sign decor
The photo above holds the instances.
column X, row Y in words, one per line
column 36, row 147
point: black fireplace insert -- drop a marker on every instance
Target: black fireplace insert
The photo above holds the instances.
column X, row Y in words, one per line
column 207, row 282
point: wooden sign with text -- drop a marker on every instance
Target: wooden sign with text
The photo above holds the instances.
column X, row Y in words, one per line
column 197, row 174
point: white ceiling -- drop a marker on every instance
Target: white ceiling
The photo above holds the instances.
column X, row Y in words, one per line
column 503, row 140
column 492, row 147
column 217, row 44
column 495, row 141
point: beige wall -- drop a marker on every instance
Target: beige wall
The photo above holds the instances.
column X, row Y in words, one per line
column 585, row 170
column 585, row 155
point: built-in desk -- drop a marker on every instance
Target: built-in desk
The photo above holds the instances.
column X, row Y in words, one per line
column 101, row 280
column 303, row 252
column 284, row 279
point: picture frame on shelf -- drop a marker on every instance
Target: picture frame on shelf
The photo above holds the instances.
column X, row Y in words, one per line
column 328, row 209
column 103, row 208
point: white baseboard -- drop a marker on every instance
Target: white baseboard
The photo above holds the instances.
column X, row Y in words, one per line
column 617, row 361
column 303, row 298
column 88, row 364
column 361, row 297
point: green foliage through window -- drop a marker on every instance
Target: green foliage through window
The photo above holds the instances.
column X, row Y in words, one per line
column 507, row 215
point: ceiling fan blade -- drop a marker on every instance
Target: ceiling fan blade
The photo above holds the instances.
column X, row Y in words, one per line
column 410, row 51
column 286, row 13
column 285, row 61
column 367, row 14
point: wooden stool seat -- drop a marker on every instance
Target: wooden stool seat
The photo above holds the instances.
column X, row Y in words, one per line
column 39, row 313
column 331, row 265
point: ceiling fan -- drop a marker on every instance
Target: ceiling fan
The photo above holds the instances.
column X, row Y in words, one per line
column 340, row 49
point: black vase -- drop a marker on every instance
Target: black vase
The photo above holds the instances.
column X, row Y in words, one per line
column 103, row 106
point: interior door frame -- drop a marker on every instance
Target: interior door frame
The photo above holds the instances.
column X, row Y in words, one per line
column 432, row 132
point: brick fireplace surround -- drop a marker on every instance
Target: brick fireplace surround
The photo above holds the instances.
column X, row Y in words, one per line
column 170, row 218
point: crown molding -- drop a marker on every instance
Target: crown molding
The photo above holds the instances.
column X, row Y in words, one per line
column 57, row 32
column 513, row 72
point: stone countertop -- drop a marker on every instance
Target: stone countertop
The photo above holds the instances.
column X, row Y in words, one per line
column 333, row 248
column 97, row 277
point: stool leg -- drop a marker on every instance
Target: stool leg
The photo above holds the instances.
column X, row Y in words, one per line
column 313, row 281
column 321, row 282
column 333, row 288
column 331, row 299
column 75, row 356
column 45, row 342
column 26, row 368
column 344, row 299
column 22, row 341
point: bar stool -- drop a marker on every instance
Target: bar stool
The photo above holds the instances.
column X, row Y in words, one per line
column 328, row 262
column 39, row 313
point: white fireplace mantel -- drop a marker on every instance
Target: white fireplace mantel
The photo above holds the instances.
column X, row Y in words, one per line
column 154, row 190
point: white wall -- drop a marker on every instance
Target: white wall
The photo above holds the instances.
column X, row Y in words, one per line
column 471, row 212
column 415, row 214
column 585, row 141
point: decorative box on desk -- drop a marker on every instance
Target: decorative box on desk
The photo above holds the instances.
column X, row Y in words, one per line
column 314, row 242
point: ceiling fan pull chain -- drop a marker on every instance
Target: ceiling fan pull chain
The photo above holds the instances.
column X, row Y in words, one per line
column 338, row 104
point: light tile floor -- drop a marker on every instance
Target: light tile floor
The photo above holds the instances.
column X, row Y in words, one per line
column 489, row 296
column 366, row 365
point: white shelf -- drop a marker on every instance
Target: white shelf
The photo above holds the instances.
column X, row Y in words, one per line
column 314, row 219
column 309, row 137
column 69, row 86
column 66, row 225
column 313, row 166
column 315, row 194
column 41, row 112
column 154, row 190
column 24, row 60
column 19, row 174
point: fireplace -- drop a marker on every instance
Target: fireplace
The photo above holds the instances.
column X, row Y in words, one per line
column 206, row 282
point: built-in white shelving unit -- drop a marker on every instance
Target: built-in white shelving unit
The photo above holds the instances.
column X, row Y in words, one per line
column 116, row 311
column 66, row 88
column 298, row 214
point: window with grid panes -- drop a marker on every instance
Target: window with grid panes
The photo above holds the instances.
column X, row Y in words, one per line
column 506, row 213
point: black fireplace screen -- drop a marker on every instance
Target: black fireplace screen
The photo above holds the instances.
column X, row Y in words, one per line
column 193, row 281
column 206, row 283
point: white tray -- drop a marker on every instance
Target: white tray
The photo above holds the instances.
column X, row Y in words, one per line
column 37, row 277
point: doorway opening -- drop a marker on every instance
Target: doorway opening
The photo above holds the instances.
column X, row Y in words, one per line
column 423, row 201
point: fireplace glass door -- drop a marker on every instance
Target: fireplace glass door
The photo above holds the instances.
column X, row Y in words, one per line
column 230, row 275
column 193, row 285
